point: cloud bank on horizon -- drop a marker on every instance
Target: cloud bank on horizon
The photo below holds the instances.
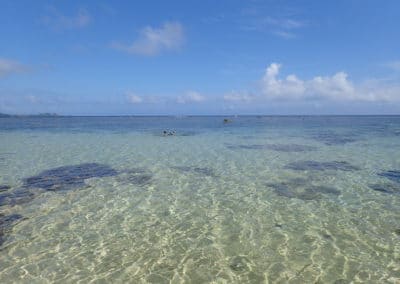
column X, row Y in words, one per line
column 249, row 57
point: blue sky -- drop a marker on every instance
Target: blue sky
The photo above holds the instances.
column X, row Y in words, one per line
column 200, row 57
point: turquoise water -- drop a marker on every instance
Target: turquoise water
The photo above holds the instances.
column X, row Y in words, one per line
column 253, row 200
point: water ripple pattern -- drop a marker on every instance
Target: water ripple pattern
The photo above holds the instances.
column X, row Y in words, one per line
column 256, row 200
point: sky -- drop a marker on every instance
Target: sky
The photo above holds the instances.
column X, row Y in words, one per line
column 200, row 57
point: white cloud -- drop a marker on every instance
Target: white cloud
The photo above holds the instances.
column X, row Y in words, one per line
column 394, row 65
column 58, row 21
column 32, row 99
column 134, row 99
column 276, row 88
column 152, row 41
column 285, row 28
column 190, row 97
column 336, row 87
column 10, row 66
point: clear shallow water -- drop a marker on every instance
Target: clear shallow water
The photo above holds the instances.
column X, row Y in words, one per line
column 259, row 199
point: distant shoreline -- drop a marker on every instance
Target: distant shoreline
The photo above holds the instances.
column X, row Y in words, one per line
column 3, row 115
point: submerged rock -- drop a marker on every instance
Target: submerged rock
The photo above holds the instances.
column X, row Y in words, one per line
column 392, row 175
column 274, row 147
column 300, row 189
column 290, row 147
column 136, row 176
column 240, row 264
column 331, row 138
column 68, row 177
column 6, row 224
column 385, row 188
column 248, row 147
column 18, row 196
column 321, row 166
column 141, row 179
column 4, row 187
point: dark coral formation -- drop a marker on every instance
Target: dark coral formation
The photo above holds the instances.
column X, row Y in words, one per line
column 331, row 138
column 385, row 187
column 18, row 196
column 392, row 175
column 4, row 187
column 321, row 166
column 288, row 148
column 68, row 177
column 6, row 224
column 301, row 189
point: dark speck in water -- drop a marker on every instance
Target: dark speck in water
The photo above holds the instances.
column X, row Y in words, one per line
column 239, row 264
column 341, row 281
column 392, row 175
column 172, row 133
column 321, row 166
column 68, row 177
column 397, row 231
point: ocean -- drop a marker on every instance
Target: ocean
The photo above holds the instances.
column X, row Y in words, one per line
column 249, row 199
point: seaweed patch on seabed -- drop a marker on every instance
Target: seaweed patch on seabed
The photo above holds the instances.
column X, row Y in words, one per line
column 15, row 197
column 392, row 175
column 68, row 177
column 299, row 188
column 331, row 138
column 385, row 188
column 274, row 147
column 61, row 178
column 6, row 224
column 197, row 170
column 321, row 166
column 136, row 176
column 4, row 187
column 290, row 147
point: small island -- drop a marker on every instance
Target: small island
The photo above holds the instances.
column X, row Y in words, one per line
column 30, row 115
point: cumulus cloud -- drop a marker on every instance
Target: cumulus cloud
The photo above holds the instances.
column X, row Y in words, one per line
column 8, row 67
column 153, row 41
column 190, row 97
column 58, row 21
column 133, row 98
column 337, row 87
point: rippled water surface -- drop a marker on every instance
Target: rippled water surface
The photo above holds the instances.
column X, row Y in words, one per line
column 249, row 200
